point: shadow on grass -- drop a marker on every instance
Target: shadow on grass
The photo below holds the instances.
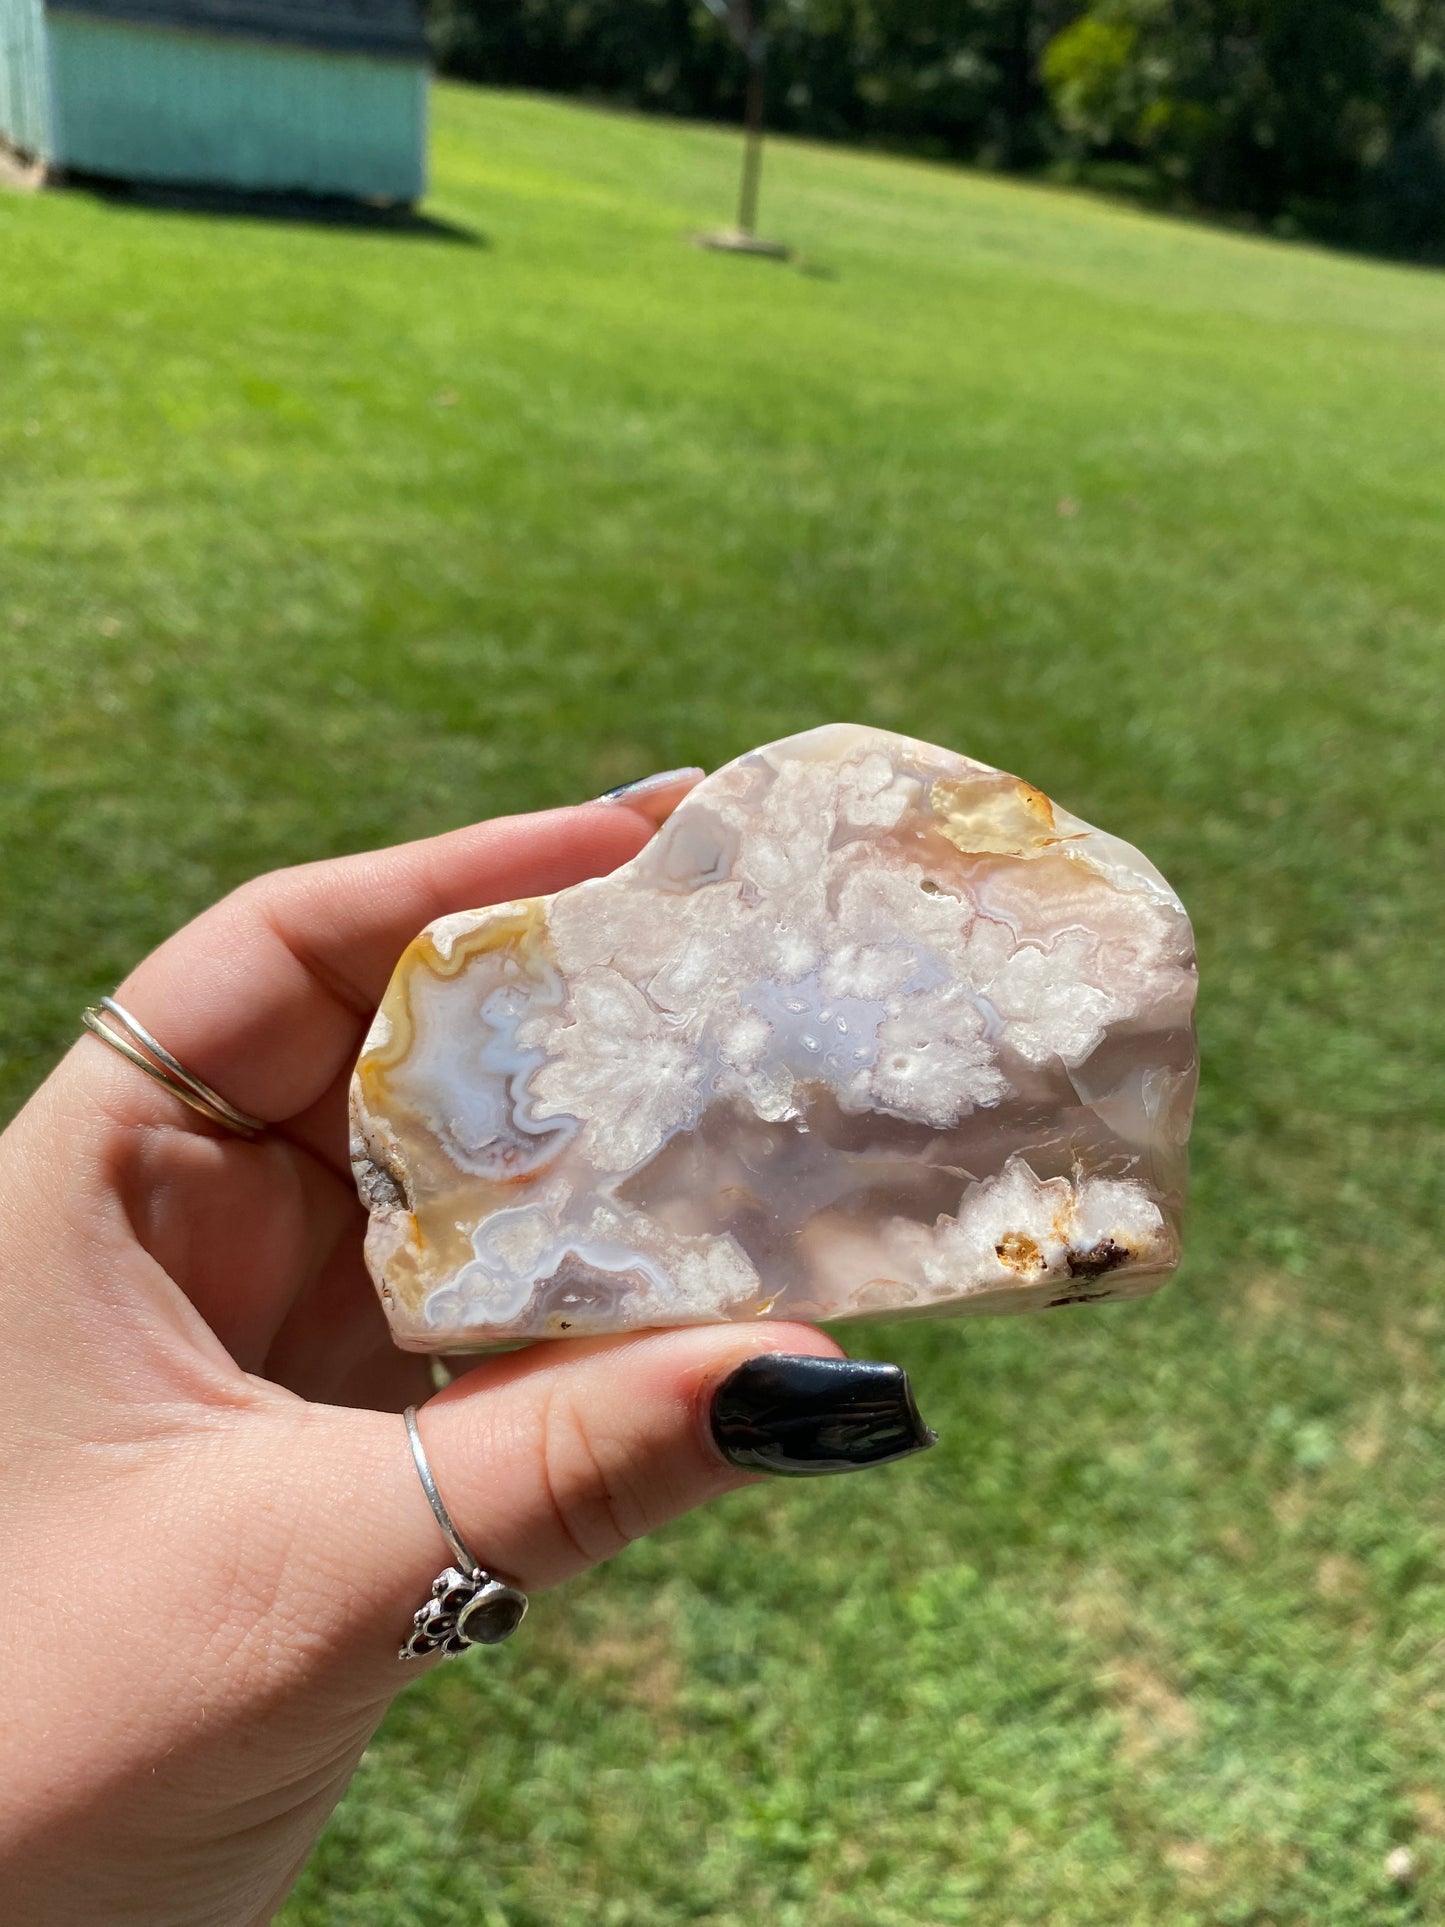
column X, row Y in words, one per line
column 297, row 210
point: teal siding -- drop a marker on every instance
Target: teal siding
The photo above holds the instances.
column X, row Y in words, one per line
column 143, row 103
column 24, row 78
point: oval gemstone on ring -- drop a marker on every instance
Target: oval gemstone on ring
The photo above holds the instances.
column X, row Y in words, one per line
column 494, row 1615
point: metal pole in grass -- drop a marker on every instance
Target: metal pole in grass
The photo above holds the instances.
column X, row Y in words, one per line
column 740, row 17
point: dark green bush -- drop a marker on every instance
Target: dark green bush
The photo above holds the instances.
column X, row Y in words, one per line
column 1323, row 117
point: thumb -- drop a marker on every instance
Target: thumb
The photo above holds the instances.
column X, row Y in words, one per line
column 553, row 1459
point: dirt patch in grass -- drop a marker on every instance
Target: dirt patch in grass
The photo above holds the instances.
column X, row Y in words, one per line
column 1151, row 1713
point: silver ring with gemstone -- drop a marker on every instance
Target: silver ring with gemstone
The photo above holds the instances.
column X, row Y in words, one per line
column 468, row 1605
column 135, row 1043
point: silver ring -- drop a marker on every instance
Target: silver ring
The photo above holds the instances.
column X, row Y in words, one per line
column 468, row 1606
column 135, row 1043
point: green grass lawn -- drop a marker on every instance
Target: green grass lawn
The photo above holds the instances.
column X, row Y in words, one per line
column 313, row 538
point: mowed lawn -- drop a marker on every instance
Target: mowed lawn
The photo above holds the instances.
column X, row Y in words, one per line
column 313, row 537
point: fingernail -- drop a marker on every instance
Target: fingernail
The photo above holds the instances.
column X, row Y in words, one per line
column 647, row 785
column 805, row 1416
column 655, row 796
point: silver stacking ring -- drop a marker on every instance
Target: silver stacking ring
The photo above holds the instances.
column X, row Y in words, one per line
column 468, row 1606
column 135, row 1043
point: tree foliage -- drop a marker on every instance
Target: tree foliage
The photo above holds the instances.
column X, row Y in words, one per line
column 1324, row 117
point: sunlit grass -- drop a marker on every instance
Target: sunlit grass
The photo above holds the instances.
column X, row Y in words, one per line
column 314, row 537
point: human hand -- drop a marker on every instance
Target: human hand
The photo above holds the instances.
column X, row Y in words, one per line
column 214, row 1533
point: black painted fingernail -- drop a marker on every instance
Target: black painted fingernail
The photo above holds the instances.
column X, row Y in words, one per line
column 804, row 1416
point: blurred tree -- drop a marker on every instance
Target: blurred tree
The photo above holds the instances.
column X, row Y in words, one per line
column 1324, row 117
column 1314, row 115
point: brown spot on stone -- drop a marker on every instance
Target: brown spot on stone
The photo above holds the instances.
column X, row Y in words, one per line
column 1102, row 1257
column 1019, row 1252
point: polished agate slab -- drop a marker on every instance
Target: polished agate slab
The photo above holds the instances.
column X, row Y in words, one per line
column 868, row 1029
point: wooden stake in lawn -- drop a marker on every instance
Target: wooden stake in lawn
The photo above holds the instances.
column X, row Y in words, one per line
column 743, row 22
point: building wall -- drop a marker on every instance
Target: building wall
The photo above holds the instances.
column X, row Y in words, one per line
column 24, row 78
column 150, row 104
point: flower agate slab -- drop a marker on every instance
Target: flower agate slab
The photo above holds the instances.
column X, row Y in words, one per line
column 867, row 1029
